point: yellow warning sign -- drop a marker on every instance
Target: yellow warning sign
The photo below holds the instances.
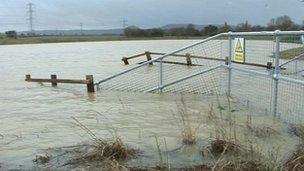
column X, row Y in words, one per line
column 239, row 50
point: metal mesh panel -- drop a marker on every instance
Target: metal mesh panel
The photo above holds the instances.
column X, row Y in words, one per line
column 201, row 69
column 139, row 80
column 292, row 57
column 253, row 91
column 259, row 49
column 210, row 49
column 291, row 102
column 210, row 83
column 172, row 67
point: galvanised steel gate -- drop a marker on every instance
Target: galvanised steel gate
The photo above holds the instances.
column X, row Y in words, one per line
column 271, row 77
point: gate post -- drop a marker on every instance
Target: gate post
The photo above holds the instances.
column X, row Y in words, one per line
column 148, row 55
column 90, row 83
column 54, row 80
column 228, row 62
column 276, row 74
column 160, row 74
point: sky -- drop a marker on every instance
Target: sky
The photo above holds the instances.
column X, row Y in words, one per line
column 104, row 14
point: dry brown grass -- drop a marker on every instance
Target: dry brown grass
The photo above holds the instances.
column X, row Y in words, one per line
column 219, row 147
column 189, row 131
column 42, row 159
column 101, row 150
column 262, row 131
column 296, row 160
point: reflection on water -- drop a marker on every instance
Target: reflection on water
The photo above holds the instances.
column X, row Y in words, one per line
column 37, row 117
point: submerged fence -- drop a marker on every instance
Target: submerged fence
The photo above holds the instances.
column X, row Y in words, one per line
column 263, row 70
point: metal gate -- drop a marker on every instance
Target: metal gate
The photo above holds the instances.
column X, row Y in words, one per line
column 270, row 77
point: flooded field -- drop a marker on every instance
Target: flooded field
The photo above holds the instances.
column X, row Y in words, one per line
column 37, row 119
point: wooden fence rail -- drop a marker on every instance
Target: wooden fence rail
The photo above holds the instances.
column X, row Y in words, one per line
column 89, row 81
column 189, row 62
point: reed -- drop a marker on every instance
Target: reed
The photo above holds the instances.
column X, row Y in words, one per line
column 101, row 150
column 189, row 131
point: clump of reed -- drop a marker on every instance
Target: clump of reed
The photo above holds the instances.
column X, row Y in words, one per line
column 102, row 150
column 227, row 147
column 262, row 131
column 189, row 131
column 42, row 159
column 296, row 160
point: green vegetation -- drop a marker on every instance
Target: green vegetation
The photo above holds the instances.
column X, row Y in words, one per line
column 62, row 39
column 135, row 33
column 292, row 53
column 283, row 23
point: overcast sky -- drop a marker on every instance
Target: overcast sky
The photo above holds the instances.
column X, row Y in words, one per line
column 100, row 14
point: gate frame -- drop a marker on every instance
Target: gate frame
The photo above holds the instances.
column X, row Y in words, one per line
column 275, row 75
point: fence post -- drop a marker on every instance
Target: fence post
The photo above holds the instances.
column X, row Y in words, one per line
column 188, row 59
column 27, row 77
column 276, row 73
column 90, row 83
column 148, row 55
column 229, row 64
column 161, row 74
column 125, row 60
column 296, row 67
column 54, row 80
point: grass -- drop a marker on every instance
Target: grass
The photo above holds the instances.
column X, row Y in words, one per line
column 42, row 159
column 292, row 53
column 185, row 119
column 101, row 150
column 66, row 39
column 227, row 148
column 232, row 149
column 296, row 160
column 107, row 152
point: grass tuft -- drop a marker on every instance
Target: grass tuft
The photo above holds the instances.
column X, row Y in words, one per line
column 42, row 159
column 101, row 150
column 188, row 130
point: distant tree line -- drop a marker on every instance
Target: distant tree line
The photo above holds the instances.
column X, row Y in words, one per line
column 11, row 34
column 283, row 23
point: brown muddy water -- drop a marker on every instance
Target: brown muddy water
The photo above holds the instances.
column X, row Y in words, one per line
column 37, row 119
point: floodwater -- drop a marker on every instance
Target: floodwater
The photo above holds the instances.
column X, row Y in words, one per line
column 35, row 117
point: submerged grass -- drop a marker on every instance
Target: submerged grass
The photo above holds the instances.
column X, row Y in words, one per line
column 296, row 160
column 232, row 144
column 108, row 152
column 42, row 159
column 101, row 150
column 188, row 130
column 292, row 53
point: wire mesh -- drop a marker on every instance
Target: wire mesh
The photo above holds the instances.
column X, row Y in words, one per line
column 211, row 83
column 253, row 91
column 138, row 80
column 202, row 56
column 173, row 67
column 259, row 49
column 291, row 102
column 252, row 85
column 292, row 57
column 291, row 94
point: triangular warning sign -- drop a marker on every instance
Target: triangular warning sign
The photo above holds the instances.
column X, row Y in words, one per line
column 239, row 47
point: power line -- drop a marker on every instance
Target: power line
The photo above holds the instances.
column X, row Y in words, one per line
column 30, row 7
column 124, row 23
column 81, row 28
